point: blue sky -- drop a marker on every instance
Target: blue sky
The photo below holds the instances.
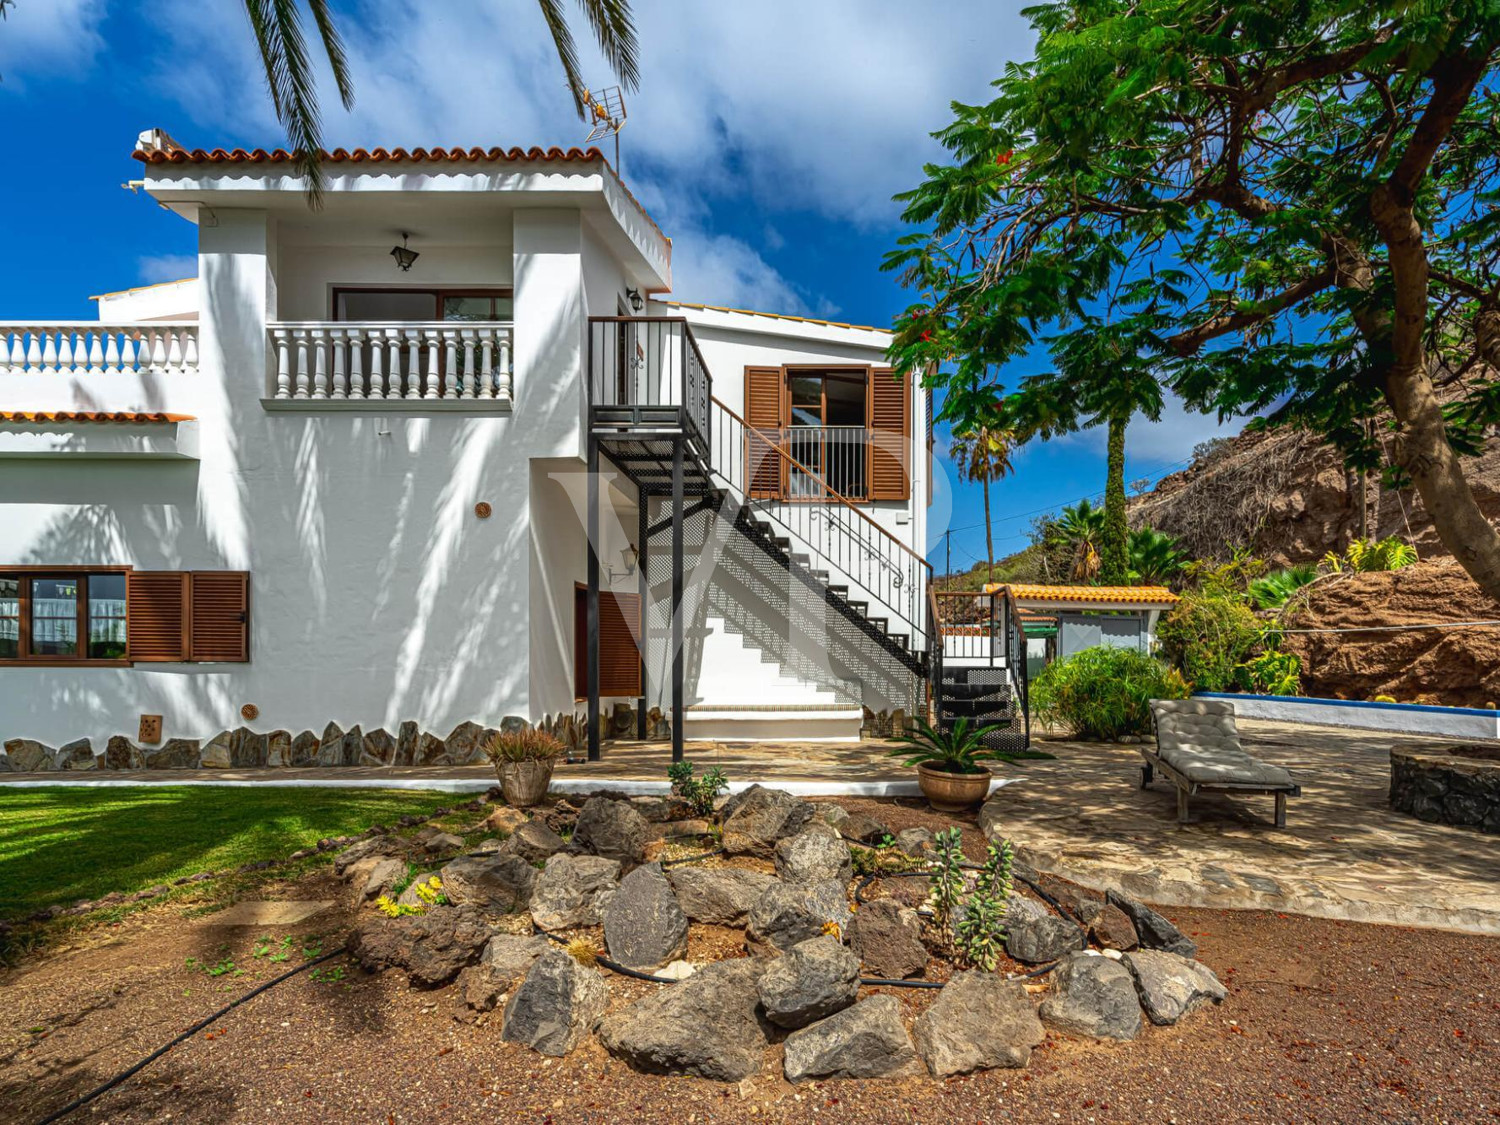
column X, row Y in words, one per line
column 766, row 138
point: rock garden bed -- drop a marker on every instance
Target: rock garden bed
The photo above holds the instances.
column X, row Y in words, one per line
column 769, row 933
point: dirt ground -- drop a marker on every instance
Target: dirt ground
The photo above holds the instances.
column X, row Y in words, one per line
column 1325, row 1021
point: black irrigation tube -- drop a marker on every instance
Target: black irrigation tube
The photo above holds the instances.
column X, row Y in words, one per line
column 79, row 1103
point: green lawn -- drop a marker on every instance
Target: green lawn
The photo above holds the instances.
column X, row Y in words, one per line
column 60, row 844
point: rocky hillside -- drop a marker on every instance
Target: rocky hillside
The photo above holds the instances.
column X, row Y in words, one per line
column 1453, row 667
column 1286, row 496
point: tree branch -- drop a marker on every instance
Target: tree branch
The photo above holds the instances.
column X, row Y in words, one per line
column 1187, row 342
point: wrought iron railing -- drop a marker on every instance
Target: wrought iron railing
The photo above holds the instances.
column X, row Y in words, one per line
column 644, row 364
column 838, row 454
column 855, row 549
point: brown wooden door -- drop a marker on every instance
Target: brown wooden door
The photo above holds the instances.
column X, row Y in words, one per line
column 619, row 655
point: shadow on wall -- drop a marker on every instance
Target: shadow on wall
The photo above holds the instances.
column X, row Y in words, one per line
column 377, row 595
column 774, row 613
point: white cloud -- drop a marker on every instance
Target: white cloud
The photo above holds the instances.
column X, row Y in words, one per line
column 166, row 267
column 49, row 38
column 1153, row 445
column 822, row 108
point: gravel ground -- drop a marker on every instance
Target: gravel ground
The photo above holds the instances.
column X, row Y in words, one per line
column 1325, row 1021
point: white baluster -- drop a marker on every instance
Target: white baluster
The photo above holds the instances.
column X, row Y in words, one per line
column 34, row 353
column 174, row 351
column 190, row 349
column 99, row 345
column 413, row 363
column 434, row 363
column 470, row 387
column 158, row 351
column 283, row 362
column 486, row 363
column 14, row 353
column 299, row 335
column 49, row 352
column 340, row 344
column 394, row 387
column 65, row 352
column 450, row 363
column 377, row 366
column 127, row 353
column 320, row 363
column 503, row 387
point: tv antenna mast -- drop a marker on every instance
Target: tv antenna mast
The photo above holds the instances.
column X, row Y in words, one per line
column 605, row 112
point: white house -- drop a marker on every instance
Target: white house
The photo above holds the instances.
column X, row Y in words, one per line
column 328, row 481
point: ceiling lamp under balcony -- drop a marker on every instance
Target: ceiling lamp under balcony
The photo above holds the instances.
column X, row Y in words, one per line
column 404, row 256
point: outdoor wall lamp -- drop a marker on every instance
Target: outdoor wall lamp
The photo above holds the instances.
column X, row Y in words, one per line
column 404, row 257
column 631, row 558
column 637, row 302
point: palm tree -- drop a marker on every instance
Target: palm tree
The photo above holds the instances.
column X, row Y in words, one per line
column 1080, row 529
column 983, row 455
column 277, row 26
column 1155, row 557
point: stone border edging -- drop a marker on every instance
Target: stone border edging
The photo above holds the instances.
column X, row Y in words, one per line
column 1396, row 718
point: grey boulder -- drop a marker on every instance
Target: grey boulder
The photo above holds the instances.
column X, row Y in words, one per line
column 1038, row 940
column 1153, row 931
column 432, row 947
column 865, row 1041
column 27, row 755
column 788, row 914
column 1170, row 986
column 757, row 818
column 978, row 1022
column 721, row 896
column 1093, row 996
column 574, row 891
column 916, row 842
column 557, row 1004
column 816, row 853
column 76, row 755
column 888, row 938
column 812, row 981
column 612, row 829
column 863, row 829
column 534, row 842
column 644, row 927
column 501, row 884
column 707, row 1025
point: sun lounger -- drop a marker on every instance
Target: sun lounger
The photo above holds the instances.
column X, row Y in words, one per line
column 1198, row 747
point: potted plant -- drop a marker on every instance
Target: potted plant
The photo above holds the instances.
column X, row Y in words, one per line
column 523, row 761
column 947, row 762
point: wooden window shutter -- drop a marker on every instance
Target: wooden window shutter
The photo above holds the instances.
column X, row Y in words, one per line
column 765, row 410
column 619, row 656
column 156, row 609
column 219, row 624
column 890, row 421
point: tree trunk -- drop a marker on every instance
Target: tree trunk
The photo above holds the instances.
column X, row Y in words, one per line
column 989, row 537
column 1114, row 562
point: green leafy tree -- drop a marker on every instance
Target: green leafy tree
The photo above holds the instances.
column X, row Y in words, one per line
column 288, row 66
column 1079, row 530
column 1286, row 208
column 983, row 454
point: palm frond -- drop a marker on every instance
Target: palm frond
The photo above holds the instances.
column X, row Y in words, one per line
column 333, row 47
column 277, row 25
column 614, row 30
column 567, row 49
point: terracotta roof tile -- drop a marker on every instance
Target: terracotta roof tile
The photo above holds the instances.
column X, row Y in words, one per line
column 132, row 416
column 370, row 156
column 1136, row 595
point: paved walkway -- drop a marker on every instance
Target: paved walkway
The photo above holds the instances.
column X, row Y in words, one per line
column 1344, row 852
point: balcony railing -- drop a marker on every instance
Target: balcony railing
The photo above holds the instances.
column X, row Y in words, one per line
column 439, row 362
column 644, row 370
column 838, row 455
column 88, row 347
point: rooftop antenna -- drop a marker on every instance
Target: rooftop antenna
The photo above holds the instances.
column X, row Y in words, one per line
column 605, row 112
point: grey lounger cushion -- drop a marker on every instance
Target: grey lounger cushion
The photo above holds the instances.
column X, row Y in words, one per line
column 1198, row 739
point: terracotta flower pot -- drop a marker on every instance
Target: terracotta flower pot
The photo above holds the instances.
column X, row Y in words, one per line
column 953, row 792
column 525, row 783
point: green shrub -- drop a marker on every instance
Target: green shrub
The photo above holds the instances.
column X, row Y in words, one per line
column 1271, row 673
column 1272, row 591
column 700, row 792
column 1104, row 693
column 1208, row 634
column 529, row 745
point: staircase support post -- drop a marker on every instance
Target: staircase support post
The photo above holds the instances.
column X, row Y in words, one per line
column 677, row 669
column 592, row 614
column 642, row 549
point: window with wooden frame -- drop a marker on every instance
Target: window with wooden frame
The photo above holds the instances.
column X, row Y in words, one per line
column 417, row 304
column 846, row 427
column 620, row 671
column 115, row 616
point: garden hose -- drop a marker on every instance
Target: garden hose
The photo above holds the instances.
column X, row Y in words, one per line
column 186, row 1035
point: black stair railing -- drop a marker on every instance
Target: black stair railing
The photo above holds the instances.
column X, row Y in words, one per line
column 878, row 568
column 645, row 369
column 981, row 647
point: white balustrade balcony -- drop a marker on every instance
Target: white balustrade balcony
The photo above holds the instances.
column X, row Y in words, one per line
column 438, row 365
column 87, row 347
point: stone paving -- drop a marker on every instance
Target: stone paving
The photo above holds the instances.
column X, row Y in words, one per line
column 1344, row 853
